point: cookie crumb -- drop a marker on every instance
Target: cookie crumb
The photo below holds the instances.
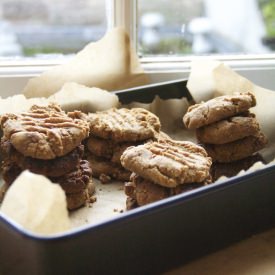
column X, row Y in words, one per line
column 92, row 199
column 104, row 178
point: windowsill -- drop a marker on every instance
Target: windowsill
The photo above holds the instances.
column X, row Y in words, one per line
column 35, row 66
column 15, row 73
column 183, row 63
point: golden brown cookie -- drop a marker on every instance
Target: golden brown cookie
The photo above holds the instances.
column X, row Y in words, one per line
column 45, row 132
column 168, row 163
column 236, row 150
column 103, row 168
column 124, row 125
column 218, row 108
column 228, row 130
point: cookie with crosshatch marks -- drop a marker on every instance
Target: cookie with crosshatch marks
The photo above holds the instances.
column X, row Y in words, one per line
column 124, row 125
column 45, row 132
column 168, row 163
column 218, row 108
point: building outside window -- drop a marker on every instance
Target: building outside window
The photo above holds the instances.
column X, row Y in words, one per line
column 45, row 28
column 203, row 27
column 48, row 27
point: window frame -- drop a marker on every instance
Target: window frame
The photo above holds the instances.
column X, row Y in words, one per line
column 123, row 13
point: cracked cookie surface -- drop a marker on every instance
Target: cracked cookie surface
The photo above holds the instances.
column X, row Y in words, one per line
column 45, row 132
column 168, row 163
column 218, row 108
column 228, row 130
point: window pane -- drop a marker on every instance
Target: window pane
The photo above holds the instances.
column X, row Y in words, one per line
column 203, row 27
column 35, row 27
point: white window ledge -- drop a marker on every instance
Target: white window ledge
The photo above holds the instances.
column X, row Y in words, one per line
column 260, row 69
column 167, row 64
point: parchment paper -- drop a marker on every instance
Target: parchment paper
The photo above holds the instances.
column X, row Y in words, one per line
column 110, row 202
column 109, row 64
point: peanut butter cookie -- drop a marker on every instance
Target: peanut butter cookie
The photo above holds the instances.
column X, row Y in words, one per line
column 233, row 168
column 236, row 150
column 168, row 163
column 124, row 125
column 143, row 191
column 228, row 130
column 53, row 168
column 218, row 108
column 45, row 132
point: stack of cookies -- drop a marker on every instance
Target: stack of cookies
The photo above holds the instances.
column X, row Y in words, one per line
column 111, row 132
column 226, row 128
column 47, row 141
column 164, row 168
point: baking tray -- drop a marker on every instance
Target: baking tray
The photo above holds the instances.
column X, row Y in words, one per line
column 153, row 238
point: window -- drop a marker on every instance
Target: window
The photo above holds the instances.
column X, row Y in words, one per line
column 203, row 27
column 31, row 28
column 75, row 23
column 39, row 33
